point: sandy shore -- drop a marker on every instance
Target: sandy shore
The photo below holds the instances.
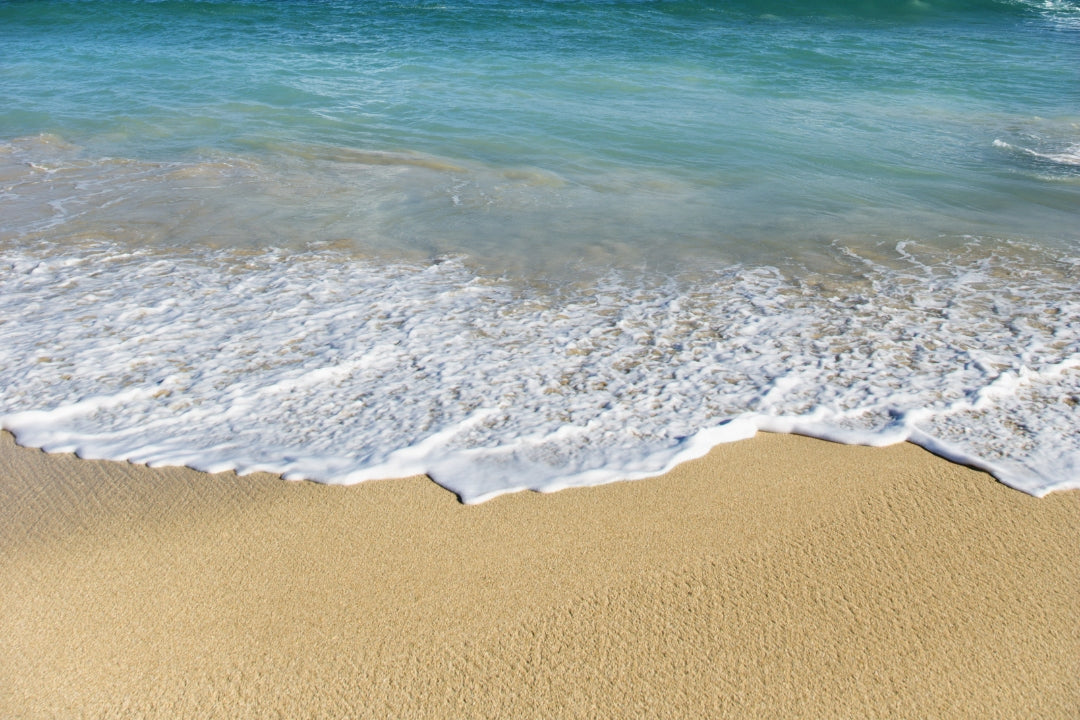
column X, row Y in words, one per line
column 778, row 577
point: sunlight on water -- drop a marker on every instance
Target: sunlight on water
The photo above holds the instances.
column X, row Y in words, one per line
column 530, row 245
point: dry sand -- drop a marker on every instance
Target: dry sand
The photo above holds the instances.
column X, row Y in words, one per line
column 778, row 577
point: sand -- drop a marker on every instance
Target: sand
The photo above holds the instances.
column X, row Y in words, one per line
column 777, row 577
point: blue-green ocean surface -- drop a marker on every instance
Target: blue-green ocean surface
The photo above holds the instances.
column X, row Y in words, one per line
column 537, row 244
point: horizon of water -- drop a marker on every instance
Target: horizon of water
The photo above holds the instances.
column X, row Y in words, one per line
column 535, row 245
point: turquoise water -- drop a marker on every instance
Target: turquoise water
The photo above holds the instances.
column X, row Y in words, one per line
column 704, row 126
column 909, row 172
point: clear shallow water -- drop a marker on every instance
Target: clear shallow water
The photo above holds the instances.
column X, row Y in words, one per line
column 530, row 245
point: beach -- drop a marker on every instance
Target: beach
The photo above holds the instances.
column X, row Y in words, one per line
column 779, row 576
column 505, row 359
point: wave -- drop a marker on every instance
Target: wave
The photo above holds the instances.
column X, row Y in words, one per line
column 1050, row 161
column 337, row 368
column 883, row 9
column 302, row 15
column 1067, row 156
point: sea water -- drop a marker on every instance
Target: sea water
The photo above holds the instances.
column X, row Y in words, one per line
column 539, row 244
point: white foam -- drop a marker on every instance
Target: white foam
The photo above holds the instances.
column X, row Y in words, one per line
column 336, row 368
column 1068, row 155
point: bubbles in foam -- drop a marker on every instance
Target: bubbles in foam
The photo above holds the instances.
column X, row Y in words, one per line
column 324, row 365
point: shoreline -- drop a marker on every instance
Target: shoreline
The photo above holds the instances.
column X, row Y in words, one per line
column 777, row 576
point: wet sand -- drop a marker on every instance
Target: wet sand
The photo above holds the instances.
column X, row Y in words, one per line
column 777, row 577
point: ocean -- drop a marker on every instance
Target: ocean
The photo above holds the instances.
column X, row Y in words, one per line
column 533, row 245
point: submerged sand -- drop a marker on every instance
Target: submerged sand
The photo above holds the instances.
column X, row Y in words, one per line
column 777, row 577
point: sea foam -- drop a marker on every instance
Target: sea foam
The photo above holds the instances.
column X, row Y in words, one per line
column 333, row 367
column 520, row 245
